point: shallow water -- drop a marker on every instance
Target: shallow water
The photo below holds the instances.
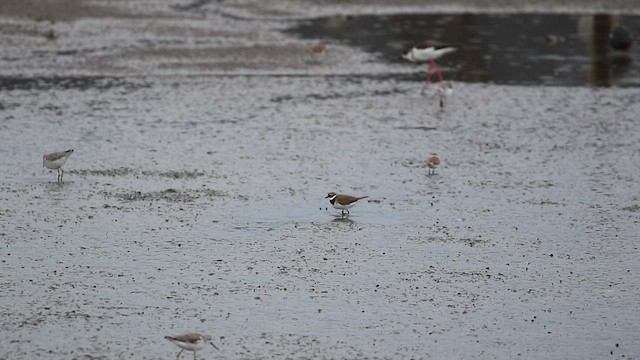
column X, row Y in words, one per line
column 197, row 203
column 515, row 49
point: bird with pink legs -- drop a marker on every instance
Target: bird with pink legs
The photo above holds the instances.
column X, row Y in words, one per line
column 429, row 51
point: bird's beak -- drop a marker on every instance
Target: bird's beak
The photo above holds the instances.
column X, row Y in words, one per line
column 214, row 346
column 326, row 197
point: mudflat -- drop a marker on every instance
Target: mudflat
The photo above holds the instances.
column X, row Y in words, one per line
column 206, row 140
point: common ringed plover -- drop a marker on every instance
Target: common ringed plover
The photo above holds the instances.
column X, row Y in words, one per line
column 342, row 201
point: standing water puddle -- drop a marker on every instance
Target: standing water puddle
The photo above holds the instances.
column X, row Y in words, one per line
column 525, row 49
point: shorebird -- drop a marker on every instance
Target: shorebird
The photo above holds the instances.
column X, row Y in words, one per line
column 191, row 341
column 317, row 48
column 552, row 39
column 429, row 51
column 55, row 161
column 445, row 89
column 433, row 162
column 343, row 202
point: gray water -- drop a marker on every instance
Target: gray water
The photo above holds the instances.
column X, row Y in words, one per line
column 514, row 49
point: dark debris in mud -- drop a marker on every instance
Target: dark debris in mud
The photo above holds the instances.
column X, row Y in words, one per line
column 170, row 195
column 336, row 95
column 10, row 83
column 124, row 171
column 106, row 172
column 468, row 241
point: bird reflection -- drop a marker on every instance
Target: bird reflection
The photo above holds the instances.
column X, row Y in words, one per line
column 343, row 219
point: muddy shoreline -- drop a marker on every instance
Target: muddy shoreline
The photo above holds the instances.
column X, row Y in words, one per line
column 195, row 200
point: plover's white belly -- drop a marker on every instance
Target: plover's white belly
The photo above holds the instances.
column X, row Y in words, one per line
column 55, row 164
column 190, row 346
column 337, row 205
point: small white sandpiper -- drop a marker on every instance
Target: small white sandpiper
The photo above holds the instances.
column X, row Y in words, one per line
column 445, row 89
column 55, row 161
column 191, row 342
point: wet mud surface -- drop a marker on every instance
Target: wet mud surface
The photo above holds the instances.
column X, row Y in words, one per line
column 194, row 201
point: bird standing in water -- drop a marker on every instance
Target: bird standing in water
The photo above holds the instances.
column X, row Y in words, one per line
column 55, row 161
column 191, row 341
column 445, row 89
column 342, row 201
column 429, row 51
column 432, row 163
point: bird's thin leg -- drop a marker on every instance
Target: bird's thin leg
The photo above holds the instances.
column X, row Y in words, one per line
column 178, row 357
column 427, row 79
column 429, row 74
column 194, row 355
column 435, row 66
column 61, row 174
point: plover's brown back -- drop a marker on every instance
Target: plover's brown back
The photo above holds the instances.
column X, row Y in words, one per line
column 433, row 162
column 56, row 160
